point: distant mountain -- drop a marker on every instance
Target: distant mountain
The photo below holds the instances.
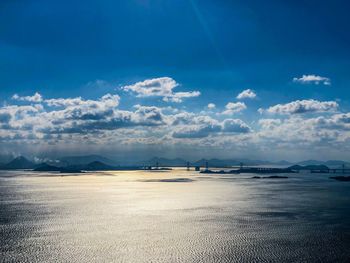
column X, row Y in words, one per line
column 164, row 162
column 44, row 167
column 215, row 162
column 296, row 167
column 97, row 162
column 85, row 159
column 252, row 162
column 336, row 163
column 283, row 162
column 19, row 163
column 93, row 166
column 212, row 162
column 308, row 167
column 228, row 162
column 97, row 166
column 310, row 162
column 333, row 163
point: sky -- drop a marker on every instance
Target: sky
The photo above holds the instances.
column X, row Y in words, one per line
column 187, row 78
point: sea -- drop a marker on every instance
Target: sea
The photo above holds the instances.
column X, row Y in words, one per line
column 172, row 216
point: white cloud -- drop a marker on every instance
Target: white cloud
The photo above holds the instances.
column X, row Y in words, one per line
column 60, row 102
column 35, row 98
column 306, row 132
column 149, row 115
column 211, row 106
column 234, row 107
column 204, row 126
column 107, row 100
column 72, row 122
column 246, row 94
column 303, row 106
column 160, row 87
column 312, row 79
column 340, row 122
column 196, row 131
column 269, row 123
column 235, row 125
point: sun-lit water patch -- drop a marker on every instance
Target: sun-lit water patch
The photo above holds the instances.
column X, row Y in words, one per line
column 143, row 216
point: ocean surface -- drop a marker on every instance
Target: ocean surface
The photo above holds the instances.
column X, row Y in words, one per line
column 172, row 216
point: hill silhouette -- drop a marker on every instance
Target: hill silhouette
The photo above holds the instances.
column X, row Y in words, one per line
column 97, row 162
column 308, row 167
column 164, row 162
column 98, row 166
column 19, row 163
column 85, row 159
column 44, row 167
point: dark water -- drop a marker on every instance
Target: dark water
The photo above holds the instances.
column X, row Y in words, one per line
column 175, row 216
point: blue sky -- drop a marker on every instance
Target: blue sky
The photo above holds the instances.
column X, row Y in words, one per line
column 293, row 56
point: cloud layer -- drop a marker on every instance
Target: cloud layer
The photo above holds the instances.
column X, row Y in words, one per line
column 313, row 79
column 35, row 98
column 101, row 123
column 160, row 87
column 56, row 120
column 234, row 107
column 246, row 94
column 303, row 106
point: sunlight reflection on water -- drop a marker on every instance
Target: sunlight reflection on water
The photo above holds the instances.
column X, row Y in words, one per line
column 172, row 216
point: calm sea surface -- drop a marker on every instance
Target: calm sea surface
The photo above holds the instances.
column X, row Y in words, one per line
column 174, row 216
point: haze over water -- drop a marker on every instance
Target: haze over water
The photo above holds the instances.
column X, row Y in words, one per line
column 172, row 216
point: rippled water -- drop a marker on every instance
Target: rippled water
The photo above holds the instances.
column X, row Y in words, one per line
column 175, row 216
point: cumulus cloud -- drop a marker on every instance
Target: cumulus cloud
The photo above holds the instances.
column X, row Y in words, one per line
column 340, row 122
column 234, row 107
column 149, row 115
column 68, row 116
column 183, row 118
column 35, row 98
column 235, row 125
column 313, row 79
column 20, row 111
column 269, row 123
column 342, row 118
column 204, row 126
column 68, row 102
column 160, row 87
column 246, row 94
column 101, row 122
column 211, row 106
column 105, row 101
column 196, row 131
column 303, row 106
column 317, row 132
